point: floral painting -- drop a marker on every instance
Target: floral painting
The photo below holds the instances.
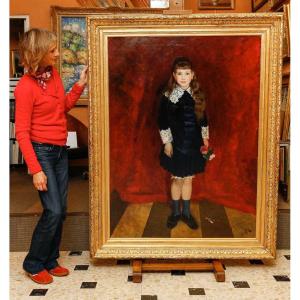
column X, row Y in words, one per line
column 216, row 4
column 73, row 50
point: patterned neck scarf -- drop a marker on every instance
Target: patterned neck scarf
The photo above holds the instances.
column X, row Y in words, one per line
column 43, row 77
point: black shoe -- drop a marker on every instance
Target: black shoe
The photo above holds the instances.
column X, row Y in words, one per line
column 172, row 221
column 189, row 221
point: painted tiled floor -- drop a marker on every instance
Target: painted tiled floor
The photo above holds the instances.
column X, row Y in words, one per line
column 245, row 280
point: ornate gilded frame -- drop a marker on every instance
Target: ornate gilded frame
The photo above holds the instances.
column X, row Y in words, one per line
column 269, row 28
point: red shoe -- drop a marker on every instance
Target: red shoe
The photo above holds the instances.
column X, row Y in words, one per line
column 59, row 271
column 42, row 277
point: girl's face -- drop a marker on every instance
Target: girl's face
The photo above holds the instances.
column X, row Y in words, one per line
column 183, row 77
column 50, row 57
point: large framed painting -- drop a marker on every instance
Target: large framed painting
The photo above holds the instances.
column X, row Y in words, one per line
column 234, row 202
column 216, row 4
column 70, row 25
column 257, row 4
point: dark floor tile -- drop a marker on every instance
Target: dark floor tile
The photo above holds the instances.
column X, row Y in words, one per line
column 81, row 267
column 118, row 206
column 130, row 278
column 156, row 225
column 148, row 297
column 281, row 277
column 178, row 272
column 88, row 285
column 123, row 262
column 240, row 284
column 256, row 262
column 288, row 257
column 75, row 253
column 38, row 292
column 196, row 291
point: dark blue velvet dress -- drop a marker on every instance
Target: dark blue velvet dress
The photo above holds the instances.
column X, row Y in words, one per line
column 178, row 124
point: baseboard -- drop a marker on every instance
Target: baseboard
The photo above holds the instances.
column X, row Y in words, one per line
column 75, row 232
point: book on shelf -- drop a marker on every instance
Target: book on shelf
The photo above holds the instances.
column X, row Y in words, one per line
column 281, row 164
column 12, row 85
column 286, row 120
column 12, row 110
column 15, row 155
column 284, row 169
column 284, row 106
column 12, row 130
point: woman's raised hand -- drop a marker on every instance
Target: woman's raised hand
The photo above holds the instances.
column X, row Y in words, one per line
column 168, row 149
column 83, row 77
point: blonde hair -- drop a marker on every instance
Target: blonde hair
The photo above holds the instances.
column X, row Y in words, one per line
column 34, row 45
column 198, row 95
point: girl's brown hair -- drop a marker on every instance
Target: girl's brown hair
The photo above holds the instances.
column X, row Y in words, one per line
column 34, row 45
column 198, row 95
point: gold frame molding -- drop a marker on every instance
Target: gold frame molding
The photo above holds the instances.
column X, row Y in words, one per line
column 269, row 27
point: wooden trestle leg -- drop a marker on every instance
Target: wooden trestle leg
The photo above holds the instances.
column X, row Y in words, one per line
column 139, row 266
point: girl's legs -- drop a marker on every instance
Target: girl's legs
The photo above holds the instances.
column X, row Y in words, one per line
column 186, row 196
column 176, row 186
column 186, row 190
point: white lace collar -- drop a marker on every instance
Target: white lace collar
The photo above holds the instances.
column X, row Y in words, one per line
column 177, row 93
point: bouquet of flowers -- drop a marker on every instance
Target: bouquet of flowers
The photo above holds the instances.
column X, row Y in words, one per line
column 207, row 153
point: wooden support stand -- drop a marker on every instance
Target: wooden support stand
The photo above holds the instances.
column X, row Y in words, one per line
column 139, row 266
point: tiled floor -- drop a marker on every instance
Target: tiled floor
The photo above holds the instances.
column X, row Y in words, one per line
column 266, row 280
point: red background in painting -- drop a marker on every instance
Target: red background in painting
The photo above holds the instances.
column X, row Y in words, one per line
column 228, row 69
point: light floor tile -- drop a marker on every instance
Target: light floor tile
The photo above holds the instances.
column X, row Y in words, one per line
column 112, row 281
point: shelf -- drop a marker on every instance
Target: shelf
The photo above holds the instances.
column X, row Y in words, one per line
column 282, row 204
column 17, row 165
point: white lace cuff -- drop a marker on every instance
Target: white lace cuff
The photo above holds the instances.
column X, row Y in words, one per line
column 205, row 132
column 166, row 136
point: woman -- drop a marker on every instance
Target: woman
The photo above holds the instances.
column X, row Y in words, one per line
column 41, row 130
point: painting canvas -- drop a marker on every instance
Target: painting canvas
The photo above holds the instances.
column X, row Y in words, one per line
column 216, row 4
column 226, row 191
column 234, row 201
column 73, row 48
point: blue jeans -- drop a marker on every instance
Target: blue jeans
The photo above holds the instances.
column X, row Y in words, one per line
column 44, row 248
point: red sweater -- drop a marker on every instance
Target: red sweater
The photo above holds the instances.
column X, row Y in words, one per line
column 41, row 115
